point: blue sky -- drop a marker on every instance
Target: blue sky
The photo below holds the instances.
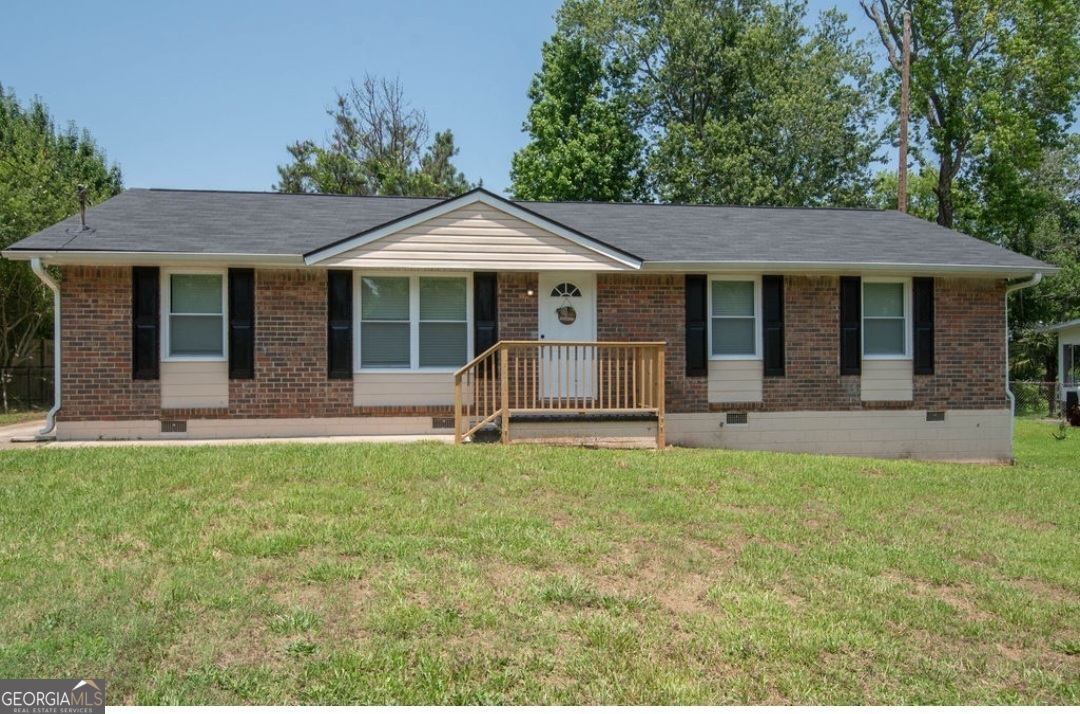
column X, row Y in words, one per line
column 198, row 94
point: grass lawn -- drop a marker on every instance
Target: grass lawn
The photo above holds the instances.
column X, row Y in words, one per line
column 8, row 418
column 280, row 574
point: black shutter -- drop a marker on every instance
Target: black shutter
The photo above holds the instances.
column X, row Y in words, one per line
column 241, row 323
column 339, row 316
column 772, row 308
column 923, row 323
column 485, row 311
column 697, row 316
column 850, row 325
column 145, row 319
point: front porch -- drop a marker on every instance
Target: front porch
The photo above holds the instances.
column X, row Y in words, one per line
column 588, row 381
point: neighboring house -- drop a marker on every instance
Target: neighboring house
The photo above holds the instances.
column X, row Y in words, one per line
column 218, row 314
column 1068, row 334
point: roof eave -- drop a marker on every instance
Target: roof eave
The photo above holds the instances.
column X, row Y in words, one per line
column 117, row 257
column 836, row 268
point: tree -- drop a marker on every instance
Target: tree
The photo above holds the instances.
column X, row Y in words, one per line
column 583, row 145
column 1047, row 227
column 40, row 167
column 737, row 100
column 376, row 149
column 993, row 87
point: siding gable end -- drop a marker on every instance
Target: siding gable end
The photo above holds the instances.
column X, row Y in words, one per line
column 477, row 236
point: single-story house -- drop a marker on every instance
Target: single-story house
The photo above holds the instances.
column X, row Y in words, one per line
column 220, row 314
column 1068, row 334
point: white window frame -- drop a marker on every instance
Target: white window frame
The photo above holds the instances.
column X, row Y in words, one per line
column 166, row 312
column 756, row 280
column 906, row 282
column 414, row 321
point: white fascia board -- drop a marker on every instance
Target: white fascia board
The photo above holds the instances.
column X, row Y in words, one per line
column 105, row 257
column 1059, row 326
column 894, row 269
column 468, row 199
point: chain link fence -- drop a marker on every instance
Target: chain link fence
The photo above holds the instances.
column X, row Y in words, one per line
column 1039, row 400
column 26, row 389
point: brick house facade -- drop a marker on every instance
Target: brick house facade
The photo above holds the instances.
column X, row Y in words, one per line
column 792, row 385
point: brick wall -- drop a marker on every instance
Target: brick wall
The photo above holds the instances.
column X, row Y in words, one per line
column 651, row 308
column 969, row 364
column 969, row 359
column 518, row 311
column 95, row 348
column 290, row 367
column 812, row 379
column 290, row 352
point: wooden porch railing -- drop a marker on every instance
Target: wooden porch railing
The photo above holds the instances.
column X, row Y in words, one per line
column 584, row 378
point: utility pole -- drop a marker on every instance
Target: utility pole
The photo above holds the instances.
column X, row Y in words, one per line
column 905, row 82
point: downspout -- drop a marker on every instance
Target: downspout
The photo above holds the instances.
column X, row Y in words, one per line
column 1029, row 283
column 43, row 276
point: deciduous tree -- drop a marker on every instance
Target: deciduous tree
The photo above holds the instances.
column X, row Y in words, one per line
column 738, row 101
column 40, row 168
column 583, row 146
column 993, row 86
column 376, row 148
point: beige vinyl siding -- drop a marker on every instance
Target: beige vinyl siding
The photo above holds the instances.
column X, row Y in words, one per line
column 735, row 380
column 474, row 237
column 194, row 385
column 888, row 380
column 407, row 389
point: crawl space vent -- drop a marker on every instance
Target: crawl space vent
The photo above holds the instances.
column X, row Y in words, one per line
column 935, row 416
column 171, row 426
column 737, row 418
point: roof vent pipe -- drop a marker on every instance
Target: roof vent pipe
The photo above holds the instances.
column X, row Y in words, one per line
column 82, row 206
column 1030, row 283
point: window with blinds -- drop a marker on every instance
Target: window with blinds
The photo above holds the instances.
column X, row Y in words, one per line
column 413, row 322
column 196, row 315
column 885, row 324
column 733, row 318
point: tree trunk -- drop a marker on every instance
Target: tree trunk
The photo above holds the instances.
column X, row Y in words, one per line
column 944, row 192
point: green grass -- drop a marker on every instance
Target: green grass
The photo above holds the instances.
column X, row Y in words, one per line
column 431, row 574
column 8, row 418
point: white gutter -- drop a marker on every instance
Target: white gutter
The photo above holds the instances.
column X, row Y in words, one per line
column 839, row 268
column 50, row 418
column 1032, row 282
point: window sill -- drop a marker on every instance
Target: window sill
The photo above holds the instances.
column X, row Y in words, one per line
column 407, row 370
column 195, row 358
column 735, row 358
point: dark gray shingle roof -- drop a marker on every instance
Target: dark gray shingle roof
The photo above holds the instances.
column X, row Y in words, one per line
column 206, row 222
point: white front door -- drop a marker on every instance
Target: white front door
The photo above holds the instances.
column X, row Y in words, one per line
column 567, row 304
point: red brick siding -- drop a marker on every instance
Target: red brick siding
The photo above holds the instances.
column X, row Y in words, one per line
column 95, row 349
column 290, row 352
column 812, row 379
column 290, row 378
column 652, row 308
column 518, row 311
column 969, row 359
column 969, row 369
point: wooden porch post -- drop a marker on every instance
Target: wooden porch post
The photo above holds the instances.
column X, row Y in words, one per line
column 504, row 384
column 661, row 430
column 457, row 410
